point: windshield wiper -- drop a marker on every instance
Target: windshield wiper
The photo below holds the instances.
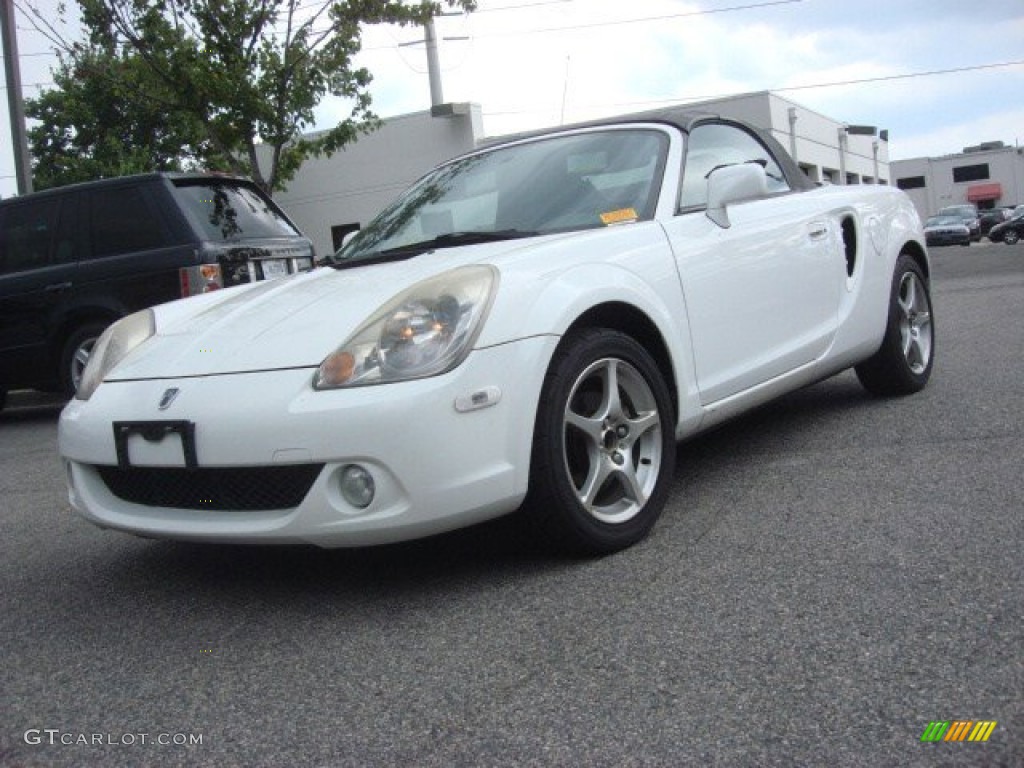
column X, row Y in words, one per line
column 471, row 237
column 447, row 240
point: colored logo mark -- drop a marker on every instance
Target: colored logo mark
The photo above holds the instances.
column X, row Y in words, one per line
column 958, row 730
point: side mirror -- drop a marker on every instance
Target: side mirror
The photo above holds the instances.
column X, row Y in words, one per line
column 733, row 184
column 347, row 237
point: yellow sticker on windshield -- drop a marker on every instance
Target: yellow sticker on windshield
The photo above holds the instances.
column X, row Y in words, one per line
column 621, row 216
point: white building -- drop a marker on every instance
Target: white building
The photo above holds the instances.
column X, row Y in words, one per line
column 331, row 196
column 988, row 175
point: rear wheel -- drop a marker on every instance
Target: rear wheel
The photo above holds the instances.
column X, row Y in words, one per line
column 604, row 445
column 903, row 364
column 1011, row 237
column 75, row 355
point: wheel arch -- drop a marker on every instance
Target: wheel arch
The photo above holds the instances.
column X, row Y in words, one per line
column 635, row 323
column 914, row 249
column 652, row 311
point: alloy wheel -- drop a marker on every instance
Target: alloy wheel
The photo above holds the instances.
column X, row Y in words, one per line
column 915, row 323
column 612, row 442
column 80, row 359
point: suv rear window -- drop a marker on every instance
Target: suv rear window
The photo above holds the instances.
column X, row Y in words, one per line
column 232, row 211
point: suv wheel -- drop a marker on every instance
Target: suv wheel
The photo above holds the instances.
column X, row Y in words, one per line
column 76, row 353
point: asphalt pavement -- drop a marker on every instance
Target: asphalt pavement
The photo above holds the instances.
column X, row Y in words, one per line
column 832, row 574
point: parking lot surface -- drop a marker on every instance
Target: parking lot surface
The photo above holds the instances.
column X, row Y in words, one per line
column 832, row 574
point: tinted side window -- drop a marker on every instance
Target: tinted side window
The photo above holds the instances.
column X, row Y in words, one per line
column 711, row 146
column 26, row 232
column 123, row 221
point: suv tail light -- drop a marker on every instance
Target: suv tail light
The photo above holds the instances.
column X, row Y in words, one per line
column 201, row 279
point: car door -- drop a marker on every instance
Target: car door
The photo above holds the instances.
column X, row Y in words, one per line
column 762, row 294
column 37, row 270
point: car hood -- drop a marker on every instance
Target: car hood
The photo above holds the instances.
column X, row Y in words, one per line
column 288, row 323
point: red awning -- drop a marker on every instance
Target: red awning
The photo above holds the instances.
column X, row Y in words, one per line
column 984, row 192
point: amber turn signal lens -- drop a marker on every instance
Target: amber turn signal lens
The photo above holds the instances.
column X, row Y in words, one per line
column 337, row 369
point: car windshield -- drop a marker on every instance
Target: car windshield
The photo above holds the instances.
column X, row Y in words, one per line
column 943, row 221
column 560, row 184
column 232, row 211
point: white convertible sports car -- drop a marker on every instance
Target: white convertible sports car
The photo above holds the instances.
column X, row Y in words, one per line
column 540, row 321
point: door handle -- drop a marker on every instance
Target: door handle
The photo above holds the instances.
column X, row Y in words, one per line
column 818, row 230
column 57, row 287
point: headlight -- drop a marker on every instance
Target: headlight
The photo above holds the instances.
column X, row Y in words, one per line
column 423, row 331
column 112, row 347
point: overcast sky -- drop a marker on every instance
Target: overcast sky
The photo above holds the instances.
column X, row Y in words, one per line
column 534, row 63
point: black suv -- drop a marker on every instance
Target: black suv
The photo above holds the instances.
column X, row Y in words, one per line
column 75, row 259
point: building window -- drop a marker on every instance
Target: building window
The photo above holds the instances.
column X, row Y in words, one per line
column 911, row 182
column 971, row 172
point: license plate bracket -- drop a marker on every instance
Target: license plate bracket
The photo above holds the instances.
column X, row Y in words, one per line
column 154, row 432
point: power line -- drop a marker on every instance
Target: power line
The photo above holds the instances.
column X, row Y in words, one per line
column 28, row 85
column 833, row 84
column 884, row 78
column 641, row 20
column 596, row 24
column 522, row 5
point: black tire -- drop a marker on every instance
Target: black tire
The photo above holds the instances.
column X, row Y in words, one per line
column 3, row 398
column 903, row 364
column 75, row 354
column 1011, row 237
column 624, row 443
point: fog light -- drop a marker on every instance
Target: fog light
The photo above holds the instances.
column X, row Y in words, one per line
column 357, row 486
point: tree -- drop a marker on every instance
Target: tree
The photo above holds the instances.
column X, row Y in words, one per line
column 244, row 71
column 94, row 124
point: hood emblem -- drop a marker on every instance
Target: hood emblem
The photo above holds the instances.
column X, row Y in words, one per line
column 168, row 398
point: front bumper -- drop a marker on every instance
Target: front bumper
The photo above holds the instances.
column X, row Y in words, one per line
column 435, row 467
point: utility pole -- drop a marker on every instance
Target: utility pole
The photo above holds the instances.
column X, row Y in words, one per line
column 433, row 60
column 15, row 104
column 433, row 63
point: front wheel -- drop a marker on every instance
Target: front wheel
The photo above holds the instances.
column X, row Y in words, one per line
column 903, row 364
column 1011, row 237
column 604, row 445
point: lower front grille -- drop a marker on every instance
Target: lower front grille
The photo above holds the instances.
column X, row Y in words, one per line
column 232, row 489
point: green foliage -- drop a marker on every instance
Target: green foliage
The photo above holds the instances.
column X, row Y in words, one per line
column 95, row 124
column 215, row 77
